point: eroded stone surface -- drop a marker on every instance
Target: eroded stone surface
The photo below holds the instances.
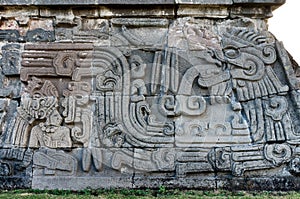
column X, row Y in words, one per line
column 89, row 99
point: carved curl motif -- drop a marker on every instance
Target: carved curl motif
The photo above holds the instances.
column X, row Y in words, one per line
column 64, row 63
column 277, row 108
column 108, row 82
column 278, row 153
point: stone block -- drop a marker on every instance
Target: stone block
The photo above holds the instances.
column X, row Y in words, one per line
column 139, row 2
column 205, row 2
column 62, row 16
column 80, row 183
column 203, row 11
column 84, row 12
column 154, row 182
column 11, row 12
column 253, row 12
column 128, row 32
column 136, row 2
column 153, row 11
column 259, row 183
column 45, row 24
column 274, row 2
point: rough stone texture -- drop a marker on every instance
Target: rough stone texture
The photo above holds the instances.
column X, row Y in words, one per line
column 182, row 94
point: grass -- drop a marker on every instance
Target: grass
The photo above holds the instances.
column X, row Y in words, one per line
column 162, row 192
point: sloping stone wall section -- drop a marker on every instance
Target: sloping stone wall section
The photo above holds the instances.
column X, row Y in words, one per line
column 144, row 93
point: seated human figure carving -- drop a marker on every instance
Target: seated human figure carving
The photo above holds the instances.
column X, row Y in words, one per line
column 50, row 134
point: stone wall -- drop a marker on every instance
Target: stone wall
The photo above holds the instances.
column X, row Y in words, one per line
column 140, row 93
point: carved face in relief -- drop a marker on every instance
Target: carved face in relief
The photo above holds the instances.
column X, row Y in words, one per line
column 55, row 118
column 247, row 53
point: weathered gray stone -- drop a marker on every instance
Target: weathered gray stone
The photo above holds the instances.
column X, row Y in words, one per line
column 127, row 11
column 205, row 2
column 203, row 11
column 85, row 12
column 61, row 15
column 142, row 94
column 20, row 13
column 274, row 2
column 84, row 2
column 137, row 2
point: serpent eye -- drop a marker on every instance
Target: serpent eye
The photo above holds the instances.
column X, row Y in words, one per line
column 231, row 52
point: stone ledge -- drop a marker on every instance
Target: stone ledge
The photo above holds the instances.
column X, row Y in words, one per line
column 262, row 2
column 86, row 2
column 167, row 8
column 141, row 2
column 275, row 183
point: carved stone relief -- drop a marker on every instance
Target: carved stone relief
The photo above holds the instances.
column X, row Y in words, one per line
column 110, row 101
